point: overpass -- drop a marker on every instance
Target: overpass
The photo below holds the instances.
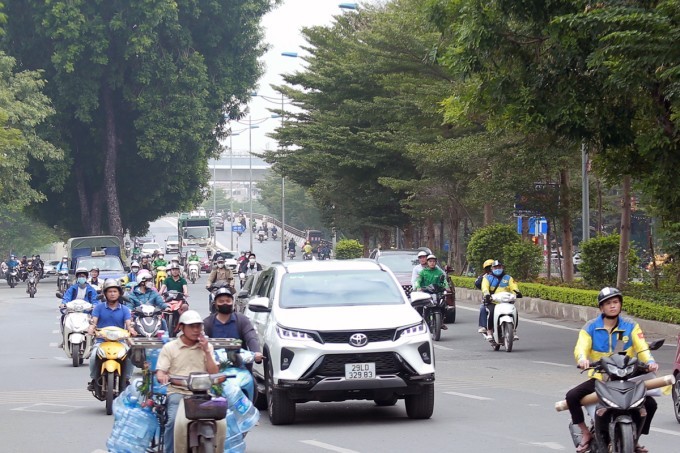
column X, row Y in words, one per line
column 240, row 166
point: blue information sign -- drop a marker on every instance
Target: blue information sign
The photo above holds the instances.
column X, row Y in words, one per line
column 237, row 228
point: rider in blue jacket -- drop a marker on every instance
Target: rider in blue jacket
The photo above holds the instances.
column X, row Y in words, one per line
column 145, row 294
column 80, row 289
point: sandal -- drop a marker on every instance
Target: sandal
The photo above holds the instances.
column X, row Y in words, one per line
column 583, row 448
column 641, row 449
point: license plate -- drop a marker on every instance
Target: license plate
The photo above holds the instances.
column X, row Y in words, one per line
column 360, row 370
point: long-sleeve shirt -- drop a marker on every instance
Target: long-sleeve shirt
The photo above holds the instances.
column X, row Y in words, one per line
column 434, row 276
column 149, row 297
column 503, row 284
column 90, row 294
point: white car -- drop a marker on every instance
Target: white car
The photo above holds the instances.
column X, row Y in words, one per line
column 339, row 330
column 172, row 244
column 150, row 247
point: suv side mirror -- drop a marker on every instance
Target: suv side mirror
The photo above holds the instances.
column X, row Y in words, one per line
column 259, row 305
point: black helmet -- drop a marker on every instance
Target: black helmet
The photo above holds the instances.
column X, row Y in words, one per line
column 607, row 293
column 223, row 291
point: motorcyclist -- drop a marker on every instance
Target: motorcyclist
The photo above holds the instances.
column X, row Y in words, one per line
column 159, row 261
column 30, row 267
column 175, row 282
column 220, row 273
column 422, row 264
column 136, row 250
column 144, row 293
column 111, row 313
column 63, row 264
column 145, row 264
column 80, row 290
column 307, row 248
column 482, row 307
column 12, row 263
column 250, row 266
column 274, row 230
column 190, row 352
column 497, row 282
column 134, row 270
column 432, row 275
column 94, row 280
column 193, row 256
column 291, row 245
column 597, row 339
column 261, row 233
column 23, row 261
column 224, row 323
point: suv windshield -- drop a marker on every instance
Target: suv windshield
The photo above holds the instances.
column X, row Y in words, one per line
column 399, row 262
column 333, row 289
column 104, row 263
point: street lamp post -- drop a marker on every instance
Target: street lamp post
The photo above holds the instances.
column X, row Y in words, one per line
column 250, row 182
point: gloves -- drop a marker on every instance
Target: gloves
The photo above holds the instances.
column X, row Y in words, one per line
column 487, row 299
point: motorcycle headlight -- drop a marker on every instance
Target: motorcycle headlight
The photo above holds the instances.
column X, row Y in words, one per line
column 638, row 402
column 101, row 353
column 199, row 382
column 121, row 353
column 609, row 402
column 630, row 369
column 290, row 334
column 414, row 329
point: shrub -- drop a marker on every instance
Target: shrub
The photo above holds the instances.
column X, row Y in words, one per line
column 600, row 263
column 488, row 243
column 523, row 260
column 348, row 249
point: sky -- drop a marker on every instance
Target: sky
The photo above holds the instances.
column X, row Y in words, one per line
column 282, row 34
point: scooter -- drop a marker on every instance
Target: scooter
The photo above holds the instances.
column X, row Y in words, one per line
column 13, row 277
column 260, row 236
column 200, row 424
column 148, row 320
column 62, row 281
column 32, row 284
column 194, row 271
column 504, row 321
column 161, row 275
column 175, row 299
column 307, row 256
column 291, row 254
column 77, row 343
column 109, row 380
column 426, row 303
column 274, row 235
column 617, row 407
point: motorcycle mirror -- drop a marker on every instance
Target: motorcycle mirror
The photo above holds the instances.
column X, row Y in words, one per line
column 59, row 295
column 125, row 298
column 656, row 344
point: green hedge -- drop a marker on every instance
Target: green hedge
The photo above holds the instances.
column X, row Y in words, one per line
column 635, row 307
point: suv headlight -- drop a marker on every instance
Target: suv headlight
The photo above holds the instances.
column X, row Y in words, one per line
column 413, row 329
column 292, row 334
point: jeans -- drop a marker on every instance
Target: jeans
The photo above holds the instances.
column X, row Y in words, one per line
column 128, row 367
column 172, row 407
column 482, row 315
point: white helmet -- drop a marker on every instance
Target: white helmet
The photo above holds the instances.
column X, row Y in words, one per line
column 82, row 270
column 144, row 275
column 134, row 264
column 190, row 317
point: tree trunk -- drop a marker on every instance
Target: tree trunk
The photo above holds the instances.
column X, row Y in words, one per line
column 567, row 234
column 488, row 214
column 110, row 164
column 525, row 227
column 408, row 236
column 624, row 244
column 367, row 239
column 85, row 218
column 430, row 234
column 599, row 207
column 96, row 214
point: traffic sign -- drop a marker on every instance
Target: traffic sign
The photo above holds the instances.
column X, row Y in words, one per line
column 237, row 228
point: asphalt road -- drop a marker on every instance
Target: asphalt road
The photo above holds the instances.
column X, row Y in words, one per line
column 485, row 400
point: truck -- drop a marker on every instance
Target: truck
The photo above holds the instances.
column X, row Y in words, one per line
column 194, row 231
column 103, row 252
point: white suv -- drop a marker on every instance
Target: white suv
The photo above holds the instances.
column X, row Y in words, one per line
column 339, row 330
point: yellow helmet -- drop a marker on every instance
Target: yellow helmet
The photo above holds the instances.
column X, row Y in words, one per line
column 487, row 263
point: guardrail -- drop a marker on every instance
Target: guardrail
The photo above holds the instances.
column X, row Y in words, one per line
column 293, row 232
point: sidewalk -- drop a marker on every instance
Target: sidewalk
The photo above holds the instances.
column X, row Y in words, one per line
column 558, row 310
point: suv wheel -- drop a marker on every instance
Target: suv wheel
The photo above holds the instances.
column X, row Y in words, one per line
column 420, row 406
column 280, row 408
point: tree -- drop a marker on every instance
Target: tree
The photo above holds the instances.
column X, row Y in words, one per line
column 301, row 211
column 141, row 90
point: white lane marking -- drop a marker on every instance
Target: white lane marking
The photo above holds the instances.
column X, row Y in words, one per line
column 467, row 395
column 325, row 446
column 62, row 359
column 53, row 345
column 549, row 445
column 552, row 363
column 444, row 348
column 48, row 408
column 540, row 323
column 56, row 331
column 666, row 431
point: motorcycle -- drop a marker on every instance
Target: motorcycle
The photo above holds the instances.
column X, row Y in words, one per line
column 161, row 275
column 260, row 236
column 13, row 277
column 23, row 273
column 32, row 284
column 504, row 321
column 109, row 380
column 274, row 235
column 428, row 303
column 617, row 407
column 62, row 281
column 325, row 254
column 175, row 299
column 148, row 320
column 291, row 254
column 199, row 427
column 307, row 256
column 242, row 279
column 77, row 343
column 194, row 270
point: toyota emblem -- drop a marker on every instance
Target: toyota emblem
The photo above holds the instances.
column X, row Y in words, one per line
column 358, row 340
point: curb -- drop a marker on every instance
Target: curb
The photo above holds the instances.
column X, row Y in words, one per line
column 558, row 310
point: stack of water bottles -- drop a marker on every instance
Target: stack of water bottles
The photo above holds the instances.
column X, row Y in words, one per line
column 133, row 426
column 242, row 416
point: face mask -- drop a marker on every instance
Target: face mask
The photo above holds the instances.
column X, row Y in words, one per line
column 225, row 309
column 135, row 270
column 220, row 265
column 251, row 260
column 149, row 285
column 64, row 261
column 82, row 280
column 497, row 272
